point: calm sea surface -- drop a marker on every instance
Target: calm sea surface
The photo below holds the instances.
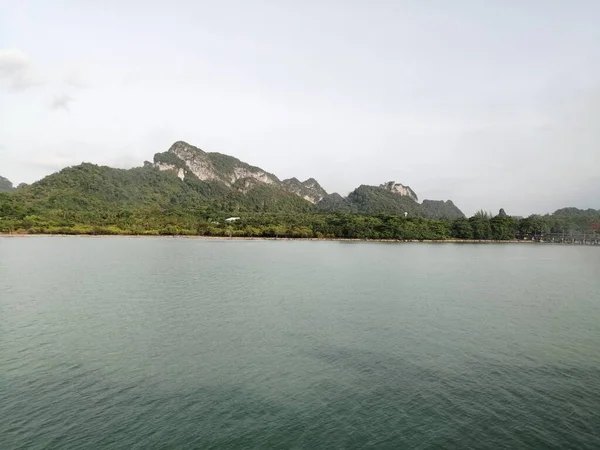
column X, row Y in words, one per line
column 125, row 343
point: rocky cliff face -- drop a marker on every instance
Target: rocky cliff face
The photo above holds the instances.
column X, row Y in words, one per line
column 309, row 190
column 389, row 198
column 185, row 160
column 171, row 168
column 188, row 161
column 188, row 177
column 400, row 189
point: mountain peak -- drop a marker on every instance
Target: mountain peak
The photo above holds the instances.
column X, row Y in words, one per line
column 5, row 185
column 438, row 209
column 309, row 190
column 400, row 189
column 188, row 161
column 228, row 173
column 182, row 146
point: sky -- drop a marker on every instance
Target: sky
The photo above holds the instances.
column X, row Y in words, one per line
column 493, row 104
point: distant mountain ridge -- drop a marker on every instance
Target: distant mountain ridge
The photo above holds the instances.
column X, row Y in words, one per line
column 577, row 212
column 188, row 161
column 185, row 160
column 189, row 177
column 5, row 185
column 383, row 200
column 309, row 190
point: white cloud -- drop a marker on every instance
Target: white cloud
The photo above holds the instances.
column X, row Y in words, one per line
column 76, row 76
column 16, row 70
column 61, row 102
column 74, row 81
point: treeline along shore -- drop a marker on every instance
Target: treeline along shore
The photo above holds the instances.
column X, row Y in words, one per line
column 481, row 227
column 189, row 192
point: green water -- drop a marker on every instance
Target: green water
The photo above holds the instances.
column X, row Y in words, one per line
column 125, row 343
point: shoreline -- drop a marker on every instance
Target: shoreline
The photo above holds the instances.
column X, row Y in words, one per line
column 250, row 238
column 260, row 238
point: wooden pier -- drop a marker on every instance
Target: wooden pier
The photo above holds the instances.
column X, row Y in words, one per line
column 580, row 238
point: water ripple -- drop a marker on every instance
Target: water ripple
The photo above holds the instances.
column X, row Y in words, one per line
column 152, row 344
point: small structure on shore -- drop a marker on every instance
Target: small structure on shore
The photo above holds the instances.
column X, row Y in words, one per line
column 232, row 219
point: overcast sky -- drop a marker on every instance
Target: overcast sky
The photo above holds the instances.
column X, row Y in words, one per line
column 488, row 103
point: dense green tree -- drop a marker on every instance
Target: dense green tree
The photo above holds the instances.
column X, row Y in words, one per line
column 89, row 199
column 462, row 229
column 503, row 227
column 480, row 225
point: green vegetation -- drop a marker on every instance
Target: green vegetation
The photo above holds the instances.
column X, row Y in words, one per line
column 365, row 200
column 221, row 166
column 56, row 207
column 309, row 188
column 169, row 158
column 332, row 203
column 226, row 164
column 439, row 209
column 90, row 199
column 372, row 200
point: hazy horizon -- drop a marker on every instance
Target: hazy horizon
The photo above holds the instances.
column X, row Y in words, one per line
column 491, row 105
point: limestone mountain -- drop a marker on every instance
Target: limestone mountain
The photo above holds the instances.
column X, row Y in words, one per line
column 576, row 212
column 309, row 190
column 389, row 198
column 190, row 179
column 440, row 209
column 88, row 187
column 335, row 203
column 380, row 200
column 5, row 185
column 400, row 189
column 187, row 161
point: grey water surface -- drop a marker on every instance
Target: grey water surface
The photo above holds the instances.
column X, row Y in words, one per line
column 163, row 343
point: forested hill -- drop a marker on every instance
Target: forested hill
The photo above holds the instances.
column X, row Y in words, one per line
column 372, row 200
column 92, row 189
column 90, row 199
column 576, row 212
column 190, row 179
column 5, row 185
column 189, row 162
column 186, row 190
